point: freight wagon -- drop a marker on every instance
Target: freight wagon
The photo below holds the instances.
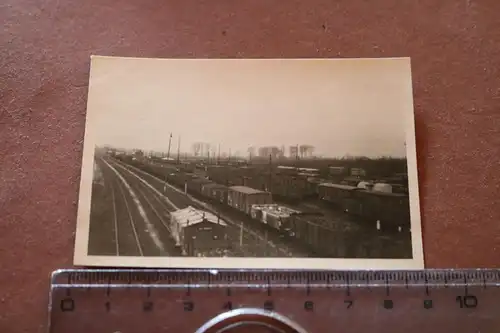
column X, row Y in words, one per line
column 391, row 210
column 336, row 194
column 242, row 198
column 198, row 232
column 226, row 175
column 179, row 179
column 195, row 185
column 290, row 186
column 286, row 170
column 351, row 181
column 317, row 236
column 338, row 171
column 215, row 192
column 272, row 214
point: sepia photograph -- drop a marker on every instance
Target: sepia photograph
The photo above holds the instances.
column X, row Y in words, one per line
column 249, row 163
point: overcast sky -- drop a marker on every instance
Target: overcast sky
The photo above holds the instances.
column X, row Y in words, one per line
column 355, row 107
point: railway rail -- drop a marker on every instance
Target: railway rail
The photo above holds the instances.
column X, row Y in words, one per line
column 140, row 215
column 255, row 238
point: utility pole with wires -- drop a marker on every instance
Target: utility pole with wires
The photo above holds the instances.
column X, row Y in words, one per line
column 270, row 173
column 168, row 158
column 179, row 150
column 218, row 155
column 169, row 143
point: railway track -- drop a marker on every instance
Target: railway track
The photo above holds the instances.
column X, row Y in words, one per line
column 137, row 231
column 126, row 242
column 257, row 239
column 160, row 205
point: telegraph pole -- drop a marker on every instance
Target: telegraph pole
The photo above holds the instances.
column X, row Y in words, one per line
column 270, row 173
column 179, row 150
column 218, row 155
column 169, row 142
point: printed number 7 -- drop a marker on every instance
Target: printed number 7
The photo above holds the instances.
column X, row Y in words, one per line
column 349, row 303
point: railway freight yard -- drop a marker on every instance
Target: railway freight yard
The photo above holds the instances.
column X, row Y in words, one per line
column 149, row 207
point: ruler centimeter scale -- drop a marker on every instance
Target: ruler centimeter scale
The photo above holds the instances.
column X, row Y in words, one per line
column 209, row 301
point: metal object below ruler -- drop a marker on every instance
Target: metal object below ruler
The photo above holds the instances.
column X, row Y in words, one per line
column 203, row 301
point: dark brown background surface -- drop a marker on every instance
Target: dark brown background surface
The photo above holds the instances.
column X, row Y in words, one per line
column 455, row 51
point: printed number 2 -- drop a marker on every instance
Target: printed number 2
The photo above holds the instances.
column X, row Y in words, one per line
column 349, row 303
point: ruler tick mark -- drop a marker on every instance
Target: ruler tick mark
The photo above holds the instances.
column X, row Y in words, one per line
column 348, row 289
column 108, row 288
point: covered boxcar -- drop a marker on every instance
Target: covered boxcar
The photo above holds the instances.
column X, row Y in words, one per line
column 242, row 198
column 338, row 171
column 215, row 192
column 389, row 209
column 336, row 194
column 197, row 232
column 286, row 170
column 317, row 236
column 289, row 186
column 195, row 185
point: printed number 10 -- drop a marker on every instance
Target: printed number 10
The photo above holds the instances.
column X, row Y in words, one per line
column 468, row 301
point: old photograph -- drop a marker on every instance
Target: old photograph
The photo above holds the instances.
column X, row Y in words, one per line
column 249, row 163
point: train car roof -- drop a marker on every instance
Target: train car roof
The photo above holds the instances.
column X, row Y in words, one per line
column 308, row 169
column 275, row 209
column 246, row 190
column 190, row 216
column 214, row 185
column 339, row 186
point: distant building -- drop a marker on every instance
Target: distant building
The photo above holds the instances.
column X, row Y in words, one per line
column 251, row 152
column 306, row 151
column 272, row 151
column 138, row 153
